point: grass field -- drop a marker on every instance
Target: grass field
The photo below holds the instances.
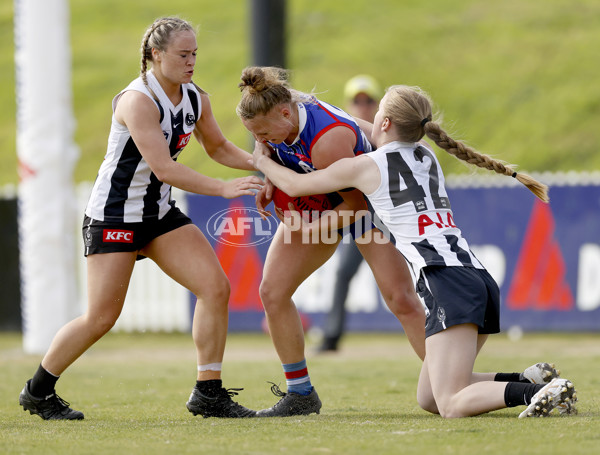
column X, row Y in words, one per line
column 133, row 389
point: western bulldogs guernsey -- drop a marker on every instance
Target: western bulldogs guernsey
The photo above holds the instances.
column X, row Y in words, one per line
column 126, row 190
column 315, row 119
column 412, row 202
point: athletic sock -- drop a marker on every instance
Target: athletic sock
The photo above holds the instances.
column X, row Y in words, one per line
column 209, row 387
column 508, row 377
column 519, row 393
column 43, row 382
column 511, row 377
column 297, row 378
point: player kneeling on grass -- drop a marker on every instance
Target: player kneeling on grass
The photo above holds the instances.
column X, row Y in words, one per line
column 405, row 185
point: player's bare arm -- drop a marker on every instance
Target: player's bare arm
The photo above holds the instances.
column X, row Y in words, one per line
column 334, row 145
column 359, row 172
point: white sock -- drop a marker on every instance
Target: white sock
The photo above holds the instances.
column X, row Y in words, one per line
column 210, row 366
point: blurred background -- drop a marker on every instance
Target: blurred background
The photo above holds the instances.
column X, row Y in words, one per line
column 516, row 79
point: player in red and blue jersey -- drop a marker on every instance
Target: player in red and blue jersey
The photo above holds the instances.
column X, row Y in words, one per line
column 307, row 134
column 315, row 118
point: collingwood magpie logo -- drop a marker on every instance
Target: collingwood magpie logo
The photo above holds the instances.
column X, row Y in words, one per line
column 441, row 315
column 190, row 119
column 88, row 238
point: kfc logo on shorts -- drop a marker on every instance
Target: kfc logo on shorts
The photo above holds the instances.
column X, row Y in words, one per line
column 183, row 140
column 117, row 235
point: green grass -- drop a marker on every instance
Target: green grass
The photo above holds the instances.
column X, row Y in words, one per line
column 513, row 78
column 132, row 389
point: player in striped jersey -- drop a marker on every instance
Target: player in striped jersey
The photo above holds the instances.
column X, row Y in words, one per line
column 308, row 134
column 130, row 215
column 405, row 184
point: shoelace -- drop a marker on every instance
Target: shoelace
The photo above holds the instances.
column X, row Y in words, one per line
column 278, row 393
column 233, row 405
column 231, row 392
column 62, row 405
column 275, row 390
column 228, row 394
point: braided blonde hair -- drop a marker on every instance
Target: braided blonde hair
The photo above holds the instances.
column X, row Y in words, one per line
column 409, row 109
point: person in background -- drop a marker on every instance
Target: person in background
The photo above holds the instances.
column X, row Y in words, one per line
column 361, row 94
column 130, row 215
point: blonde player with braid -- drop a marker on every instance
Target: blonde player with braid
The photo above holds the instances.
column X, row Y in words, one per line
column 130, row 215
column 405, row 185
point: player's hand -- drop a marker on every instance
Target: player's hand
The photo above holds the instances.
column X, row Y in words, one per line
column 263, row 198
column 243, row 186
column 261, row 151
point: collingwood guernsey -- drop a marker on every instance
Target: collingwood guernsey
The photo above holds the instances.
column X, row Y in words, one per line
column 126, row 190
column 412, row 202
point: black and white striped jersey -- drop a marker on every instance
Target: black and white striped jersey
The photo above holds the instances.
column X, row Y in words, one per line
column 126, row 190
column 412, row 202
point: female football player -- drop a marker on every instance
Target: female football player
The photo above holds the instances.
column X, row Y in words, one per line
column 308, row 134
column 130, row 215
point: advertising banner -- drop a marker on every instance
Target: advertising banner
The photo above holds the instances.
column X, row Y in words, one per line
column 545, row 258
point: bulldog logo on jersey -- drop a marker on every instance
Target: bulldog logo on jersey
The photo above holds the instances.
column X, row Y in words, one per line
column 190, row 119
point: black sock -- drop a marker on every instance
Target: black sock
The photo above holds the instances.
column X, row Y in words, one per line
column 519, row 393
column 511, row 377
column 209, row 387
column 508, row 377
column 42, row 384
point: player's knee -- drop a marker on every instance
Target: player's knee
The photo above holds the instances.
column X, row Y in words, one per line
column 99, row 325
column 427, row 402
column 217, row 291
column 404, row 302
column 450, row 413
column 221, row 291
column 271, row 296
column 450, row 409
column 267, row 292
column 429, row 407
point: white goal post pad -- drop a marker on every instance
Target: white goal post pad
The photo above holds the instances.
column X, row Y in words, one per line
column 47, row 156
